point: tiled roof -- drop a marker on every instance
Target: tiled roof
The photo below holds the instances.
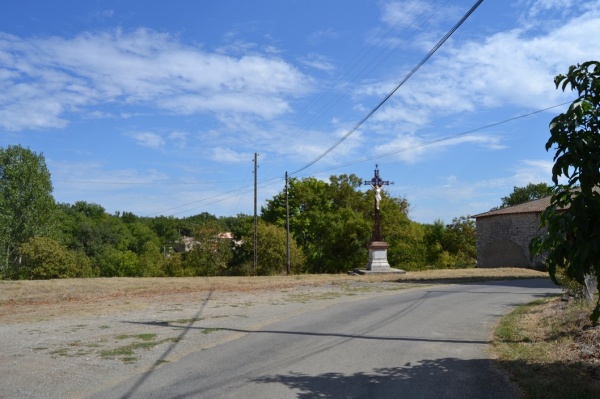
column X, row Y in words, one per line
column 534, row 206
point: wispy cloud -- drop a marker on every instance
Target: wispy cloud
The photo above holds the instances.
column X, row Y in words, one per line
column 148, row 139
column 318, row 61
column 411, row 148
column 47, row 77
column 229, row 155
column 512, row 68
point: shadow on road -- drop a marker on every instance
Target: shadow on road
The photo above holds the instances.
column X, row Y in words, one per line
column 312, row 333
column 526, row 281
column 440, row 378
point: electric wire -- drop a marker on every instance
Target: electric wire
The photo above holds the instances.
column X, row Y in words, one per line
column 277, row 179
column 442, row 139
column 368, row 68
column 391, row 93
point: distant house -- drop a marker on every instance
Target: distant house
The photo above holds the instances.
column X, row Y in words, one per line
column 503, row 235
column 188, row 243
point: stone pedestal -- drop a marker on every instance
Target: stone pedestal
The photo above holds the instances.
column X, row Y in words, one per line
column 378, row 260
column 378, row 256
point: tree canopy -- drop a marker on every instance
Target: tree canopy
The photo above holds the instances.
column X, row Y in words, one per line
column 572, row 243
column 331, row 225
column 530, row 192
column 26, row 203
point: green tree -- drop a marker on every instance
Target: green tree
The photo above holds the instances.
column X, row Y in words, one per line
column 112, row 245
column 210, row 254
column 333, row 222
column 434, row 241
column 407, row 249
column 27, row 207
column 272, row 252
column 460, row 242
column 452, row 245
column 166, row 230
column 530, row 192
column 45, row 258
column 572, row 242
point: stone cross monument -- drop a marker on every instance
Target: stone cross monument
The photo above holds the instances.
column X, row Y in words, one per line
column 378, row 247
column 377, row 183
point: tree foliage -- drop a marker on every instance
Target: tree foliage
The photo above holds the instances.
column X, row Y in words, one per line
column 327, row 220
column 331, row 224
column 272, row 252
column 26, row 202
column 530, row 192
column 572, row 242
column 44, row 258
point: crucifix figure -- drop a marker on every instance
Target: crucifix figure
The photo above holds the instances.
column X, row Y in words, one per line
column 377, row 183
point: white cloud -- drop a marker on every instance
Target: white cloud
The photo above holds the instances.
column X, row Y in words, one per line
column 179, row 138
column 323, row 35
column 514, row 68
column 228, row 155
column 318, row 61
column 411, row 148
column 148, row 139
column 94, row 176
column 476, row 196
column 413, row 23
column 142, row 67
column 533, row 171
column 412, row 13
column 537, row 10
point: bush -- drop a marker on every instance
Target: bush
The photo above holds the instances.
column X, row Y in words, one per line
column 43, row 258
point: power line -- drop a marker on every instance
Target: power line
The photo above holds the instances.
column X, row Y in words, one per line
column 273, row 180
column 218, row 197
column 387, row 97
column 355, row 62
column 442, row 139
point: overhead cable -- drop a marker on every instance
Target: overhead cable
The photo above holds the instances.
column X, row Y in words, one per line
column 391, row 93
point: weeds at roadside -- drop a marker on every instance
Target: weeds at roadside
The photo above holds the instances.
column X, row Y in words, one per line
column 143, row 337
column 126, row 353
column 550, row 349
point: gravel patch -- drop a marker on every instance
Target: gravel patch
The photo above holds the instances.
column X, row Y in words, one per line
column 71, row 350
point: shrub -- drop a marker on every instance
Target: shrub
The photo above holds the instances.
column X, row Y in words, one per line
column 44, row 258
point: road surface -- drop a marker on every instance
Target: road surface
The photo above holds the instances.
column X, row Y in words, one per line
column 429, row 342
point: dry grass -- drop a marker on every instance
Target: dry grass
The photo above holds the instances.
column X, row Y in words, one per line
column 57, row 291
column 551, row 349
column 18, row 299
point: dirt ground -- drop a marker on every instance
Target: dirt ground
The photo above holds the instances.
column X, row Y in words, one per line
column 71, row 338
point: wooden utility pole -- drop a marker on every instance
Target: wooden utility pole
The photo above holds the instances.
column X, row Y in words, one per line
column 287, row 225
column 255, row 216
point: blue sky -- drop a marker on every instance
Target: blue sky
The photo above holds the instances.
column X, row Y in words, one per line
column 158, row 107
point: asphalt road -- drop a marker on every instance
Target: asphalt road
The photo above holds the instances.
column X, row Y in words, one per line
column 423, row 343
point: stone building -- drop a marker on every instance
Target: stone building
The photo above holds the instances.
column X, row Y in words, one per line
column 503, row 235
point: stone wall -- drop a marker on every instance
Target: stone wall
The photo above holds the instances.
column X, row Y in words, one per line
column 503, row 240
